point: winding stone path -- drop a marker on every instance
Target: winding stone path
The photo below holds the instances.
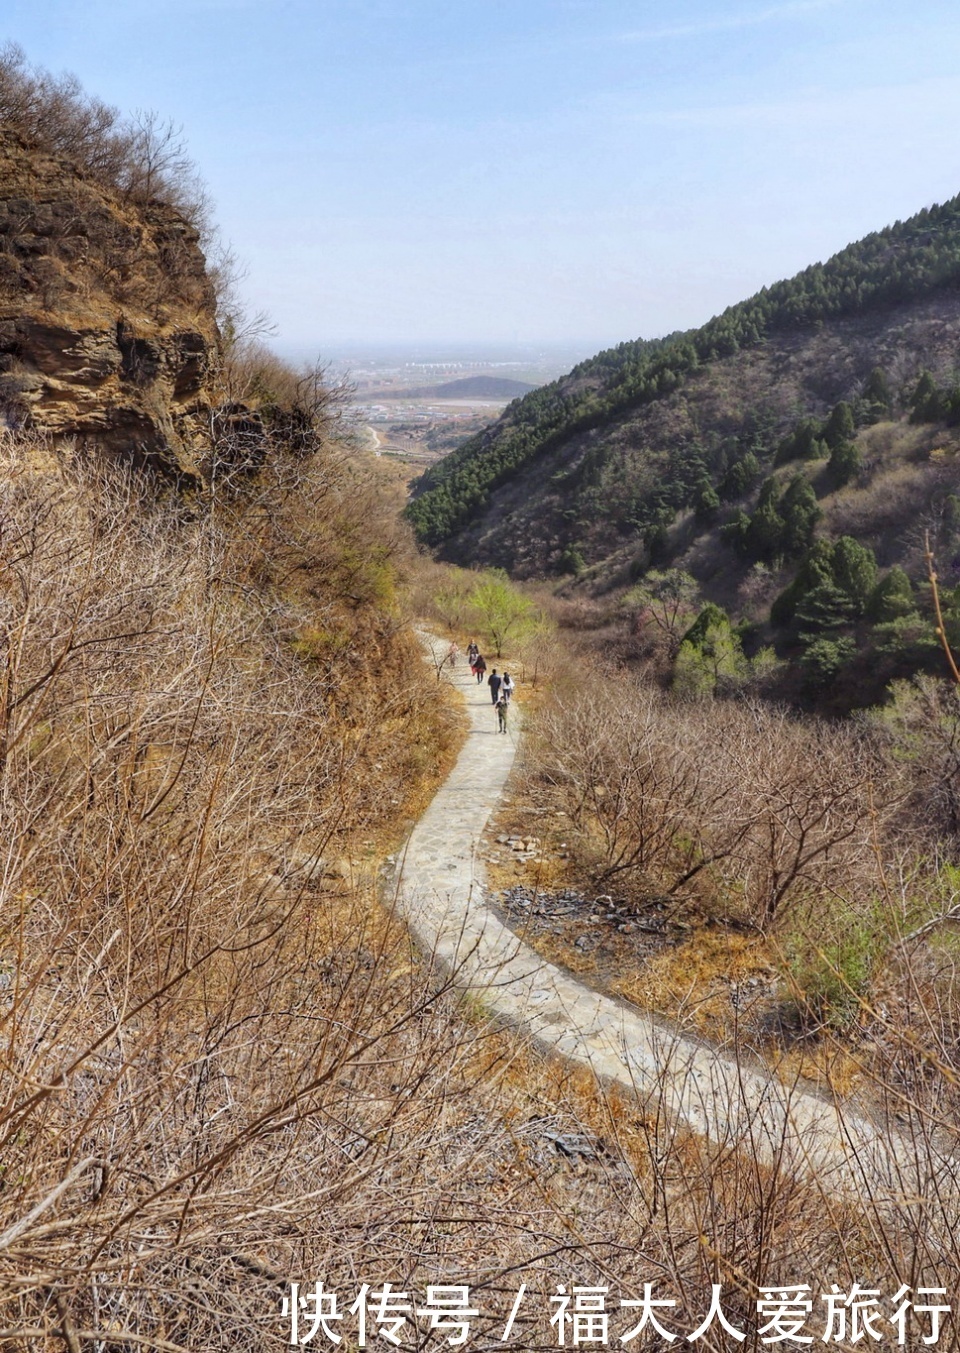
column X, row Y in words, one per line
column 439, row 888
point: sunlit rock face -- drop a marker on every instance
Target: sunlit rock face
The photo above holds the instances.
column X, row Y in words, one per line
column 107, row 328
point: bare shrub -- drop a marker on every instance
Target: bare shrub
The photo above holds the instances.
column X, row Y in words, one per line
column 180, row 1032
column 157, row 165
column 219, row 1075
column 877, row 511
column 817, row 795
column 143, row 157
column 921, row 728
column 741, row 803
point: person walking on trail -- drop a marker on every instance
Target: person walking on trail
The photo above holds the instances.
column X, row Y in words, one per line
column 472, row 652
column 508, row 686
column 494, row 682
column 502, row 706
column 479, row 667
column 452, row 653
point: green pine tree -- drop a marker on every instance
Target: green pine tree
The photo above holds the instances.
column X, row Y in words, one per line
column 706, row 505
column 854, row 570
column 710, row 659
column 840, row 426
column 824, row 609
column 844, row 464
column 814, row 570
column 823, row 659
column 925, row 402
column 734, row 533
column 764, row 536
column 800, row 513
column 740, row 477
column 709, row 616
column 877, row 396
column 891, row 598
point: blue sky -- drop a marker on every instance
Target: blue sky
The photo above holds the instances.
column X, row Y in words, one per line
column 574, row 172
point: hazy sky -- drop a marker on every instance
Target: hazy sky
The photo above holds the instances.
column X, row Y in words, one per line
column 567, row 171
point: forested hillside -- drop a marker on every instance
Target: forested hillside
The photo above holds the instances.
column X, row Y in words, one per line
column 740, row 464
column 589, row 425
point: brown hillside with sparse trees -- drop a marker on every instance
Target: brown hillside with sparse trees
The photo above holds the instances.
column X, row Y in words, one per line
column 598, row 492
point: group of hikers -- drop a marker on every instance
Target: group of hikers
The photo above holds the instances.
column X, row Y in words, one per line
column 501, row 687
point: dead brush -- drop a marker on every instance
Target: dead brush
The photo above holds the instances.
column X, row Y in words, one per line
column 192, row 1071
column 740, row 814
column 214, row 1082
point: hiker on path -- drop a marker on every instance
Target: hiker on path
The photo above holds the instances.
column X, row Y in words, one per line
column 494, row 682
column 502, row 706
column 452, row 653
column 479, row 667
column 472, row 652
column 508, row 686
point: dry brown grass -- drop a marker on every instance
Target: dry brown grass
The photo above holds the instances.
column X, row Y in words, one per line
column 183, row 1012
column 892, row 496
column 691, row 982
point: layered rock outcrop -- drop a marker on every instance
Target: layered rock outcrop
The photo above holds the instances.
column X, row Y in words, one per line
column 107, row 316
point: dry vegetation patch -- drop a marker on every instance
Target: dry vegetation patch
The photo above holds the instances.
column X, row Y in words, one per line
column 191, row 980
column 769, row 881
column 224, row 1065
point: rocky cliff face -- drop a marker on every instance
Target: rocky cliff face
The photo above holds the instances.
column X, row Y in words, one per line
column 107, row 328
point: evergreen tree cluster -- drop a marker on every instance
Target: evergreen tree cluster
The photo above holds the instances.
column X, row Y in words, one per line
column 812, row 439
column 833, row 587
column 838, row 608
column 781, row 526
column 931, row 403
column 710, row 660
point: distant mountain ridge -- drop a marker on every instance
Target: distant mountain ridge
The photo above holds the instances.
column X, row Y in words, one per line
column 468, row 387
column 590, row 427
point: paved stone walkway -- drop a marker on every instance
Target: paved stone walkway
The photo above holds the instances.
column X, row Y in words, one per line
column 440, row 893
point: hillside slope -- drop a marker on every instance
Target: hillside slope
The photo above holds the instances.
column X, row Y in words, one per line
column 610, row 453
column 604, row 491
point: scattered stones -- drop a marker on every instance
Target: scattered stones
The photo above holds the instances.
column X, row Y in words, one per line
column 744, row 993
column 601, row 925
column 569, row 1144
column 306, row 871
